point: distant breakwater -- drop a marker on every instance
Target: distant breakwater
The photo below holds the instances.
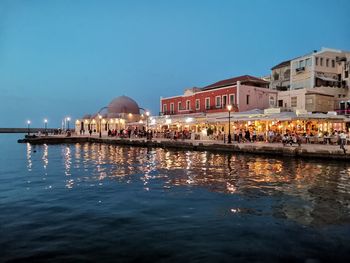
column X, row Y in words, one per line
column 25, row 130
column 304, row 151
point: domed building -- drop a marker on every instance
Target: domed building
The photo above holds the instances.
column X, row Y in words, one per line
column 120, row 112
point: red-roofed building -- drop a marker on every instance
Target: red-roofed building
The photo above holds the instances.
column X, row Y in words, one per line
column 243, row 92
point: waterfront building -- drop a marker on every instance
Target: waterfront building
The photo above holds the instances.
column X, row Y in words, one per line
column 281, row 110
column 305, row 99
column 280, row 76
column 116, row 116
column 243, row 93
column 320, row 72
column 215, row 126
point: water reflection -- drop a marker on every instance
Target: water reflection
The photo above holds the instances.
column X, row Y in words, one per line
column 29, row 157
column 305, row 191
column 45, row 156
column 66, row 151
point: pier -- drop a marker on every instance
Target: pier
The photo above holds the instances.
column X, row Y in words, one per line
column 323, row 151
column 25, row 130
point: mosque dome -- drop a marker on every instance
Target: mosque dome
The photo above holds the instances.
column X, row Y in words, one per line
column 123, row 104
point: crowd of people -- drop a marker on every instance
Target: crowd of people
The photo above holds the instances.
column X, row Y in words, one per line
column 238, row 135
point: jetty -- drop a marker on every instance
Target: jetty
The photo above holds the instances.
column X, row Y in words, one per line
column 323, row 151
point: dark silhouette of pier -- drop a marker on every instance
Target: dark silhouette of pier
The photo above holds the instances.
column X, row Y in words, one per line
column 25, row 130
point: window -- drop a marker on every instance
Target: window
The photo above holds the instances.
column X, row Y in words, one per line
column 232, row 99
column 207, row 103
column 316, row 61
column 308, row 62
column 327, row 62
column 286, row 74
column 179, row 106
column 321, row 61
column 276, row 76
column 333, row 63
column 218, row 102
column 224, row 101
column 247, row 98
column 171, row 107
column 272, row 101
column 188, row 105
column 197, row 104
column 164, row 108
column 301, row 63
column 294, row 101
column 280, row 103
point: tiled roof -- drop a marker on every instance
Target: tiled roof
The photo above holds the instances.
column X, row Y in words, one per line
column 233, row 81
column 282, row 64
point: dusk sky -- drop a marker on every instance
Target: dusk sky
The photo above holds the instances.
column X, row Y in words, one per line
column 68, row 58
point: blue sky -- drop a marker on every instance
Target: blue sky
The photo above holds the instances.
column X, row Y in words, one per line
column 60, row 58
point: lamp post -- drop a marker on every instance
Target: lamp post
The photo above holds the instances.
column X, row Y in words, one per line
column 229, row 108
column 45, row 122
column 68, row 120
column 28, row 125
column 100, row 117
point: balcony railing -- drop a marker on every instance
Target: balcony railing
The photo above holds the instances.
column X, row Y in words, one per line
column 300, row 69
column 207, row 110
column 343, row 112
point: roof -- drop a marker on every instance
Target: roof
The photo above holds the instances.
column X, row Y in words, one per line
column 281, row 65
column 318, row 93
column 233, row 81
column 123, row 104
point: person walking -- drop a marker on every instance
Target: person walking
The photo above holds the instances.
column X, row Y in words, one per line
column 342, row 137
column 240, row 136
column 247, row 135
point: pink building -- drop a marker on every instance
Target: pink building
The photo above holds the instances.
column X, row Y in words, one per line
column 243, row 92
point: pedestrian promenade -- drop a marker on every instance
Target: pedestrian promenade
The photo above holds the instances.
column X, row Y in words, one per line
column 325, row 151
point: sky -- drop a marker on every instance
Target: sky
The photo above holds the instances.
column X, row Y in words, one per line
column 63, row 58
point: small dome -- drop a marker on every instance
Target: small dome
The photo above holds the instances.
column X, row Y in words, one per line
column 123, row 104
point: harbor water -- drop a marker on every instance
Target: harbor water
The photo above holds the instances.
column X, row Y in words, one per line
column 106, row 203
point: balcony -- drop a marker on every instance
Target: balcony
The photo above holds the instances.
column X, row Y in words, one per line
column 300, row 69
column 343, row 112
column 202, row 110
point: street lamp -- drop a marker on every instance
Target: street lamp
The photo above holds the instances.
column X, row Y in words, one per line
column 100, row 117
column 229, row 108
column 45, row 122
column 28, row 123
column 68, row 120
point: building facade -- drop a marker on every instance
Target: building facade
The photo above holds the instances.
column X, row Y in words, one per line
column 320, row 70
column 243, row 93
column 119, row 112
column 305, row 100
column 324, row 72
column 280, row 76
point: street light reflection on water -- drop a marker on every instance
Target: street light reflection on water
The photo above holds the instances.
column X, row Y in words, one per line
column 307, row 187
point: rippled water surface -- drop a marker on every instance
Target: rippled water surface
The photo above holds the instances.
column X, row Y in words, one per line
column 99, row 203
